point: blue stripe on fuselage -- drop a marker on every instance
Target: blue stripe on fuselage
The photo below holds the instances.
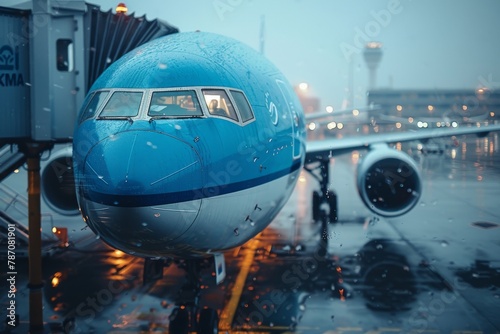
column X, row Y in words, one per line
column 142, row 200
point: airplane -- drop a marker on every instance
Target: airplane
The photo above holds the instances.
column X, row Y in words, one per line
column 191, row 144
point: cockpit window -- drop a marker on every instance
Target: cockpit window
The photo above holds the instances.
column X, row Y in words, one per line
column 241, row 102
column 182, row 103
column 93, row 104
column 122, row 104
column 219, row 104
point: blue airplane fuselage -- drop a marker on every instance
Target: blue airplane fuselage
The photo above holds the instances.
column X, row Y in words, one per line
column 188, row 186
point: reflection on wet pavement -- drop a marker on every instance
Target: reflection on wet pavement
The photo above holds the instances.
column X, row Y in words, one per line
column 434, row 270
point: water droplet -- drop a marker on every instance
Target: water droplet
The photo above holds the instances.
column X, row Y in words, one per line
column 236, row 232
column 379, row 246
column 115, row 202
column 144, row 224
column 302, row 307
column 444, row 243
column 255, row 159
column 252, row 224
column 177, row 127
column 138, row 244
column 157, row 214
column 423, row 204
column 162, row 66
column 98, row 236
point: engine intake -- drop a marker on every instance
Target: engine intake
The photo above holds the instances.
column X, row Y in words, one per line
column 389, row 182
column 58, row 183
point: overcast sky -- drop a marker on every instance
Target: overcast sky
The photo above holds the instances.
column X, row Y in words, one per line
column 426, row 43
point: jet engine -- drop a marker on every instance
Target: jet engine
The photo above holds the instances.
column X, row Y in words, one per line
column 58, row 183
column 389, row 182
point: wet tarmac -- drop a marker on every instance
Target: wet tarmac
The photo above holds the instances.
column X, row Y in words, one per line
column 433, row 270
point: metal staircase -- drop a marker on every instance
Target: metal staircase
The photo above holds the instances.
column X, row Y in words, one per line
column 10, row 159
column 14, row 217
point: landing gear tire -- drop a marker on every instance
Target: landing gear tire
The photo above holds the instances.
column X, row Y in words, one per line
column 209, row 322
column 179, row 321
column 319, row 213
column 316, row 209
column 331, row 198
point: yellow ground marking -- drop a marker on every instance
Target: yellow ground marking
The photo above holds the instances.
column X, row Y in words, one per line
column 229, row 311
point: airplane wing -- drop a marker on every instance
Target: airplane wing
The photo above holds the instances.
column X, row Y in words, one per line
column 321, row 149
column 322, row 114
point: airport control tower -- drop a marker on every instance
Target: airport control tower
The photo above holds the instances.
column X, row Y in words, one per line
column 372, row 55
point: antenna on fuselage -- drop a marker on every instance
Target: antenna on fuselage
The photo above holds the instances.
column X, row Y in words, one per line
column 262, row 37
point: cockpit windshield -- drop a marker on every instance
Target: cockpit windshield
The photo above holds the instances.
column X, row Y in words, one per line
column 182, row 103
column 122, row 104
column 168, row 103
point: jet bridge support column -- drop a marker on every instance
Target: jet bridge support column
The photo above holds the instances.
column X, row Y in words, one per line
column 33, row 152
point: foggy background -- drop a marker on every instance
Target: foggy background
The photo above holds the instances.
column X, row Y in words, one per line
column 426, row 44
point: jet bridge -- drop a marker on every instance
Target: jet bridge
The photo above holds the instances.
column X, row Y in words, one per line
column 50, row 54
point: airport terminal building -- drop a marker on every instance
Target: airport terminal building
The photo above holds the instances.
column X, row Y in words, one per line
column 462, row 104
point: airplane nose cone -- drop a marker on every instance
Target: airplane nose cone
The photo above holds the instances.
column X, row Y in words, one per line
column 140, row 185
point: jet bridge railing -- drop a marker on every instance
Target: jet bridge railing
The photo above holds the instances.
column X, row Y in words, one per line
column 15, row 206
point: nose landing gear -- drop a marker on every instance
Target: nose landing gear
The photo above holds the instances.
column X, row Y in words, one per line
column 187, row 315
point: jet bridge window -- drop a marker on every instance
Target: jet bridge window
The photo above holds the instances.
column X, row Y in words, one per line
column 218, row 103
column 241, row 102
column 182, row 103
column 122, row 104
column 64, row 50
column 94, row 102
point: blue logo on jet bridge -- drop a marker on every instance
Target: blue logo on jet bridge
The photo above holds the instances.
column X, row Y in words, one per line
column 9, row 67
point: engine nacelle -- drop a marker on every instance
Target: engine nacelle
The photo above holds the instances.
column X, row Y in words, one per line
column 58, row 183
column 389, row 182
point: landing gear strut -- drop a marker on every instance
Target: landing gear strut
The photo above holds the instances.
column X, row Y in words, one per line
column 324, row 202
column 187, row 316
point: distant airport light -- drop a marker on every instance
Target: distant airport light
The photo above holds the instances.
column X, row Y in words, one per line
column 303, row 86
column 374, row 45
column 438, row 124
column 399, row 107
column 340, row 126
column 430, row 107
column 464, row 107
column 398, row 125
column 121, row 8
column 492, row 114
column 410, row 119
column 331, row 125
column 420, row 124
column 454, row 124
column 312, row 126
column 329, row 109
column 355, row 112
